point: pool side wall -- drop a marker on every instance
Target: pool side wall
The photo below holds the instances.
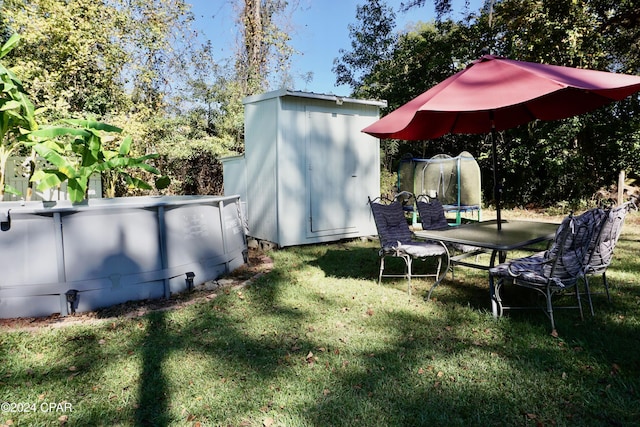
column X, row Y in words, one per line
column 111, row 251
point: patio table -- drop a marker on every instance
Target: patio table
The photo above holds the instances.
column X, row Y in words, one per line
column 486, row 237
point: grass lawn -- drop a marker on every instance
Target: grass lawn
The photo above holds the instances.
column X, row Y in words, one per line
column 316, row 342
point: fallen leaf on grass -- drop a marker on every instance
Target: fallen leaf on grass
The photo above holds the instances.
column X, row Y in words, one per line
column 311, row 359
column 615, row 369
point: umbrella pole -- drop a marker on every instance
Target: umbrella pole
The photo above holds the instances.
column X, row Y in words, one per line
column 497, row 188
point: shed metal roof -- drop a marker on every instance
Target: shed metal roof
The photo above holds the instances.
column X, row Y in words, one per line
column 325, row 97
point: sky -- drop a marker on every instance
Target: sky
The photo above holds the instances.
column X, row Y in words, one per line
column 320, row 30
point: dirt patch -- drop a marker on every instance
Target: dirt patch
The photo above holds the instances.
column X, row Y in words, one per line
column 257, row 265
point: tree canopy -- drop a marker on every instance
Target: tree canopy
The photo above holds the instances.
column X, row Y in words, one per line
column 140, row 65
column 543, row 162
column 116, row 60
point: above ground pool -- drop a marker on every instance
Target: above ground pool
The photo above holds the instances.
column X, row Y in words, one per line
column 56, row 257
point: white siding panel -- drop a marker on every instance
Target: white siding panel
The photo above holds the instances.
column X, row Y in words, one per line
column 260, row 153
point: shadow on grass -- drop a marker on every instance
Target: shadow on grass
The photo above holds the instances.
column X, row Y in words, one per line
column 429, row 369
column 152, row 407
column 443, row 363
column 351, row 262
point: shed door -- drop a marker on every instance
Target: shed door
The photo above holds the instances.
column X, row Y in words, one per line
column 332, row 171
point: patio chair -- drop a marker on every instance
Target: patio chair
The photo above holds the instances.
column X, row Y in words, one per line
column 432, row 217
column 602, row 246
column 397, row 240
column 431, row 213
column 554, row 271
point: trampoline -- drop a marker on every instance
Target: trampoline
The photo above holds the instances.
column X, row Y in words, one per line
column 455, row 181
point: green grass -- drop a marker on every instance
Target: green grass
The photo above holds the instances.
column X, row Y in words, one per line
column 316, row 342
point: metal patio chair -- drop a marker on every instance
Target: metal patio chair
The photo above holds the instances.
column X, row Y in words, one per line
column 432, row 217
column 397, row 240
column 431, row 213
column 603, row 244
column 554, row 271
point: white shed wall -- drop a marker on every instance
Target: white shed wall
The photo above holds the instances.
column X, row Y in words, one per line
column 261, row 127
column 309, row 167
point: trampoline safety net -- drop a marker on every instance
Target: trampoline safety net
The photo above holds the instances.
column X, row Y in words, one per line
column 455, row 181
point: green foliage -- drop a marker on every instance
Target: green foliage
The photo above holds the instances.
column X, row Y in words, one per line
column 570, row 159
column 78, row 152
column 540, row 163
column 388, row 182
column 266, row 51
column 372, row 40
column 70, row 64
column 138, row 64
column 17, row 114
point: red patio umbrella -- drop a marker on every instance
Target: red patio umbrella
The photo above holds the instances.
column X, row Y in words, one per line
column 495, row 93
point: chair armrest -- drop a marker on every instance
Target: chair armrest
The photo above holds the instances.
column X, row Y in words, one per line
column 525, row 262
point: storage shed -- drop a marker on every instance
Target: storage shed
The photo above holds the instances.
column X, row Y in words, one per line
column 307, row 169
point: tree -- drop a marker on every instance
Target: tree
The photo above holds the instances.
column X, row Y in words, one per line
column 114, row 60
column 578, row 155
column 581, row 154
column 155, row 33
column 70, row 64
column 442, row 7
column 620, row 25
column 265, row 49
column 372, row 41
column 103, row 58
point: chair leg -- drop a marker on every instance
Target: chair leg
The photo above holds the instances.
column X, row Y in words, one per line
column 550, row 310
column 494, row 295
column 588, row 291
column 606, row 285
column 439, row 277
column 408, row 261
column 579, row 302
column 441, row 272
column 381, row 270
